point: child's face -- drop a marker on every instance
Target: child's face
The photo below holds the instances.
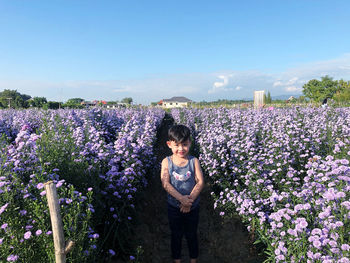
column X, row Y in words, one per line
column 179, row 149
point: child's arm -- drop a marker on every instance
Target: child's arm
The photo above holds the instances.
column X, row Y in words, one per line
column 199, row 180
column 185, row 200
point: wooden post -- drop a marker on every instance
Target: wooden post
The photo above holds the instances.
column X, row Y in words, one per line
column 56, row 222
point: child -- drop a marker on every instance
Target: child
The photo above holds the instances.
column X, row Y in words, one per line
column 182, row 178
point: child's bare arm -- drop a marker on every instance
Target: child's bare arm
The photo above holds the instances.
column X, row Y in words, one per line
column 199, row 180
column 165, row 178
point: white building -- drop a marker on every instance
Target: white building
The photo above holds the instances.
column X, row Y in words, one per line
column 175, row 102
column 259, row 98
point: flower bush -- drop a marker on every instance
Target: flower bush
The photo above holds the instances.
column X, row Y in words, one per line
column 284, row 171
column 99, row 161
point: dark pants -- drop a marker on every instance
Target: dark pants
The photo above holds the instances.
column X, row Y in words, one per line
column 180, row 224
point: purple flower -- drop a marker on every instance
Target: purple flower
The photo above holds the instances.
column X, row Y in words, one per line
column 38, row 232
column 303, row 224
column 280, row 257
column 59, row 183
column 12, row 258
column 23, row 212
column 2, row 209
column 345, row 247
column 316, row 231
column 317, row 244
column 27, row 235
column 339, row 224
column 94, row 236
column 40, row 185
column 4, row 226
column 111, row 251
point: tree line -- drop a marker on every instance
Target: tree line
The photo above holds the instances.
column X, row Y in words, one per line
column 14, row 99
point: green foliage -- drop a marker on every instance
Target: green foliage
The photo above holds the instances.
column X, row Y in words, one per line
column 26, row 218
column 268, row 98
column 112, row 102
column 74, row 103
column 317, row 90
column 343, row 93
column 13, row 99
column 302, row 99
column 38, row 102
column 127, row 100
column 53, row 105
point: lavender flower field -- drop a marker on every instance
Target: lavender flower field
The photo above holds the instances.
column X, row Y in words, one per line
column 98, row 160
column 285, row 172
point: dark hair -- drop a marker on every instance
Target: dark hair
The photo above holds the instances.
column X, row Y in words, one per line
column 179, row 133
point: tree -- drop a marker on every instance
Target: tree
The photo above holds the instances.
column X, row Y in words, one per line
column 268, row 99
column 52, row 105
column 38, row 102
column 112, row 102
column 343, row 92
column 73, row 103
column 13, row 99
column 301, row 99
column 127, row 100
column 318, row 90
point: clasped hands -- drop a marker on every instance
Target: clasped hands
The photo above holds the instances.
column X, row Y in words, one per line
column 186, row 203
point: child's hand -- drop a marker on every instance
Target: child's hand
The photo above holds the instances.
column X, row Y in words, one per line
column 186, row 200
column 185, row 209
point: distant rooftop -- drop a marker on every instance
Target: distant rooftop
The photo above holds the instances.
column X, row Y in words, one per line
column 177, row 99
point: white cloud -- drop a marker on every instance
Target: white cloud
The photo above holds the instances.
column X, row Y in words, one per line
column 122, row 89
column 290, row 85
column 293, row 89
column 238, row 88
column 278, row 83
column 292, row 81
column 221, row 86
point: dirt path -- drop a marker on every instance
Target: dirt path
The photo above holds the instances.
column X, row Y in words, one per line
column 220, row 241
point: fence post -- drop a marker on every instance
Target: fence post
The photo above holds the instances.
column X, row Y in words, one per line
column 56, row 222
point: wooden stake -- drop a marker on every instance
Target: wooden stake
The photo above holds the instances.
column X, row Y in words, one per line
column 56, row 222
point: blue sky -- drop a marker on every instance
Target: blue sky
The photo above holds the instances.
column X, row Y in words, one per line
column 150, row 50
